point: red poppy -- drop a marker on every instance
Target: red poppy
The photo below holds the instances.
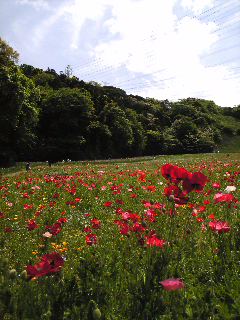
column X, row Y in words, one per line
column 167, row 170
column 108, row 204
column 87, row 230
column 223, row 197
column 91, row 239
column 50, row 263
column 138, row 227
column 27, row 206
column 32, row 225
column 62, row 220
column 195, row 182
column 124, row 229
column 176, row 194
column 55, row 229
column 150, row 215
column 154, row 241
column 174, row 174
column 151, row 188
column 96, row 224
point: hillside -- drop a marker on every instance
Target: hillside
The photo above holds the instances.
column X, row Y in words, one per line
column 50, row 116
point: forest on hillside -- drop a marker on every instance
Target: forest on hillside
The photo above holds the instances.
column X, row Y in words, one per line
column 51, row 116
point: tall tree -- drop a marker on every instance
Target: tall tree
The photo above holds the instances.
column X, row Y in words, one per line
column 8, row 55
column 19, row 114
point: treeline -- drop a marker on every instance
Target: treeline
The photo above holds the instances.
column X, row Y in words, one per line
column 51, row 116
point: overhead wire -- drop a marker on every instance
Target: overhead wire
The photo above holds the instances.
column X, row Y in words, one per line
column 106, row 69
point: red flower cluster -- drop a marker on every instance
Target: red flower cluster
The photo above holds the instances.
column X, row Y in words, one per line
column 153, row 241
column 190, row 182
column 50, row 263
column 32, row 225
column 219, row 226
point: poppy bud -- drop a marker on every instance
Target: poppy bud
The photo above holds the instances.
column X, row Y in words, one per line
column 5, row 261
column 96, row 314
column 12, row 273
column 144, row 224
column 3, row 264
column 24, row 275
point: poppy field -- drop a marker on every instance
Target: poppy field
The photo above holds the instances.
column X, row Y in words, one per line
column 147, row 239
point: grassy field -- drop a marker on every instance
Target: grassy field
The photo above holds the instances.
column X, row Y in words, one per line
column 121, row 239
column 230, row 144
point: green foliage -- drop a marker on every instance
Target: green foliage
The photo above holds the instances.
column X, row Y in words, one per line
column 80, row 120
column 64, row 124
column 19, row 113
column 119, row 276
column 154, row 143
column 8, row 56
column 122, row 134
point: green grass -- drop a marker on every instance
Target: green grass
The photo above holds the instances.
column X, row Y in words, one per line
column 230, row 144
column 120, row 273
column 229, row 122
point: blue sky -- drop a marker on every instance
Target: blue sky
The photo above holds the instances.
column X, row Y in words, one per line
column 166, row 49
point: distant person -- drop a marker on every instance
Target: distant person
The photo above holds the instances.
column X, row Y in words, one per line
column 28, row 166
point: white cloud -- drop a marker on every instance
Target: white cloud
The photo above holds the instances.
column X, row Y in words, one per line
column 37, row 4
column 152, row 39
column 197, row 6
column 145, row 37
column 74, row 14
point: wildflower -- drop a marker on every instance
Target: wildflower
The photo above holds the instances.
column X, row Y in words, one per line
column 32, row 225
column 91, row 239
column 230, row 189
column 219, row 226
column 50, row 263
column 154, row 241
column 221, row 197
column 174, row 173
column 195, row 182
column 176, row 194
column 216, row 185
column 172, row 284
column 108, row 204
column 47, row 235
column 96, row 224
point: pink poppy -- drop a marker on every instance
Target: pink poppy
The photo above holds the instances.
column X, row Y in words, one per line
column 219, row 226
column 172, row 284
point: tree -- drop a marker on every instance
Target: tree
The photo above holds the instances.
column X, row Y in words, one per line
column 68, row 71
column 19, row 114
column 122, row 134
column 154, row 142
column 65, row 116
column 8, row 56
